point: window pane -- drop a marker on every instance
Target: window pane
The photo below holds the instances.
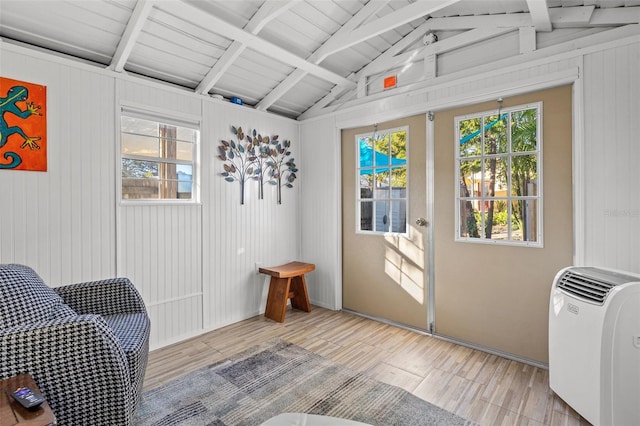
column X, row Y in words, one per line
column 184, row 151
column 524, row 128
column 169, row 189
column 399, row 182
column 139, row 126
column 186, row 134
column 382, row 177
column 155, row 179
column 498, row 191
column 139, row 169
column 382, row 220
column 136, row 189
column 494, row 178
column 366, row 185
column 497, row 221
column 399, row 159
column 382, row 150
column 382, row 185
column 470, row 178
column 470, row 137
column 365, row 149
column 140, row 145
column 366, row 216
column 185, row 181
column 525, row 220
column 524, row 175
column 398, row 216
column 469, row 219
column 495, row 135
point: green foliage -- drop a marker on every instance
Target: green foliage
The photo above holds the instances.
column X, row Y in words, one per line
column 394, row 143
column 488, row 137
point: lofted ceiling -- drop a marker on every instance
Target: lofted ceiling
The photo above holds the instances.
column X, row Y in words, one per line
column 296, row 57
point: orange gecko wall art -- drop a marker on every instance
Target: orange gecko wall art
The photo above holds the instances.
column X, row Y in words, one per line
column 23, row 125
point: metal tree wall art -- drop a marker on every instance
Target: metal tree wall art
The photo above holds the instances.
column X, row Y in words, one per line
column 254, row 157
column 261, row 159
column 238, row 166
column 282, row 167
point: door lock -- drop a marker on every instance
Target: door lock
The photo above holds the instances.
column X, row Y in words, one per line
column 421, row 221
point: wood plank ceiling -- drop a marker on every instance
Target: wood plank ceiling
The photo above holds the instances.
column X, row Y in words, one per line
column 297, row 57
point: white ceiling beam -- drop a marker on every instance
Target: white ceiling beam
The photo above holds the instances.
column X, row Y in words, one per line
column 565, row 17
column 384, row 61
column 571, row 17
column 383, row 64
column 467, row 38
column 539, row 11
column 218, row 69
column 616, row 16
column 220, row 26
column 269, row 10
column 381, row 25
column 561, row 17
column 297, row 75
column 131, row 32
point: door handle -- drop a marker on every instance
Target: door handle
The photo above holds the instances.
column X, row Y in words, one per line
column 421, row 221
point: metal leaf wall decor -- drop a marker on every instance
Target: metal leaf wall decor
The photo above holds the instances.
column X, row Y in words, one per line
column 254, row 157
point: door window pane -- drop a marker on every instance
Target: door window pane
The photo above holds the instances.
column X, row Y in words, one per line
column 382, row 179
column 498, row 191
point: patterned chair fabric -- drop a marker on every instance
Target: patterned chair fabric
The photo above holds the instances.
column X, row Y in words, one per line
column 86, row 345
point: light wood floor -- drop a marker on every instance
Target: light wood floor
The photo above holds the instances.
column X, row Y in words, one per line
column 478, row 386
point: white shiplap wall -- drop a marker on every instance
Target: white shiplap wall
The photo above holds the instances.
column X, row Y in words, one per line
column 320, row 211
column 61, row 222
column 159, row 246
column 193, row 264
column 611, row 158
column 235, row 236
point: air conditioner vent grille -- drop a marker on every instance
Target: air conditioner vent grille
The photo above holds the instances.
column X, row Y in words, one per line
column 585, row 287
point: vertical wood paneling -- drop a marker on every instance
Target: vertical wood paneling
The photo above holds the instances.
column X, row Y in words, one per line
column 319, row 210
column 612, row 152
column 236, row 236
column 161, row 253
column 160, row 245
column 61, row 222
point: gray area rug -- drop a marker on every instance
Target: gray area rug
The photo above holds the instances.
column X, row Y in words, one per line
column 279, row 377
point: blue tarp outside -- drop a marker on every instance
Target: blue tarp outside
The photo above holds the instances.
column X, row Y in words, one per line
column 486, row 127
column 366, row 160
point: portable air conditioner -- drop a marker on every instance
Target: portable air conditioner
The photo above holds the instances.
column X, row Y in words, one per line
column 594, row 344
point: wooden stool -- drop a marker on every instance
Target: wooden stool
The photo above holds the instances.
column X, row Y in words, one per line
column 287, row 282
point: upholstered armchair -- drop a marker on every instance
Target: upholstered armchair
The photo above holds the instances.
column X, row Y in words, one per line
column 85, row 345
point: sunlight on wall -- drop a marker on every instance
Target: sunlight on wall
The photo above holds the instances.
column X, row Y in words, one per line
column 404, row 262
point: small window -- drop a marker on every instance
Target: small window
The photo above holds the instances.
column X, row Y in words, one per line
column 158, row 158
column 499, row 177
column 381, row 181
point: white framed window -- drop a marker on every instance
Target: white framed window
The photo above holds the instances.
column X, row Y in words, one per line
column 158, row 157
column 381, row 181
column 499, row 176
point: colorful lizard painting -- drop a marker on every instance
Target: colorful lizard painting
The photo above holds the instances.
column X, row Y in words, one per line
column 23, row 125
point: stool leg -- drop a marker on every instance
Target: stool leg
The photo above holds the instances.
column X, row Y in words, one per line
column 277, row 298
column 300, row 299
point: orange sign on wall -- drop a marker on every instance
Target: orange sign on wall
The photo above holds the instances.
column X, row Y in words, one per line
column 23, row 125
column 390, row 82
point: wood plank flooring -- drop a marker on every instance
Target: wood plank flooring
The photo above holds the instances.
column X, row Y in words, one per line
column 481, row 387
